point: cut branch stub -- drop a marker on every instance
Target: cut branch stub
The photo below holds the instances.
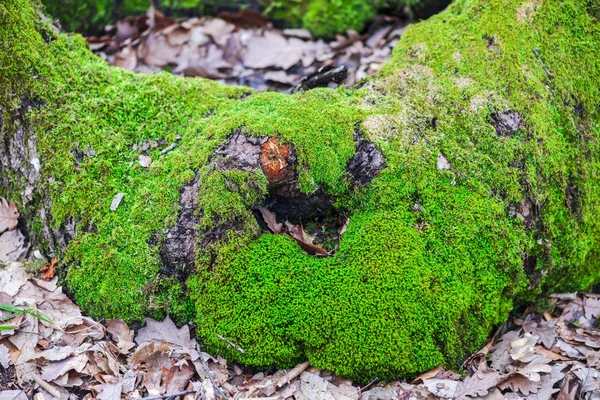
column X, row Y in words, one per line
column 274, row 158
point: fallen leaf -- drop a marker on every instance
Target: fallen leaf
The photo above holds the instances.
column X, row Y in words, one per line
column 12, row 277
column 126, row 58
column 444, row 388
column 523, row 347
column 165, row 331
column 518, row 382
column 13, row 395
column 218, row 30
column 479, row 384
column 121, row 333
column 569, row 389
column 177, row 378
column 313, row 387
column 270, row 219
column 47, row 271
column 550, row 354
column 587, row 378
column 499, row 355
column 5, row 359
column 271, row 50
column 282, row 77
column 591, row 307
column 9, row 215
column 305, row 240
column 53, row 370
column 11, row 246
column 110, row 391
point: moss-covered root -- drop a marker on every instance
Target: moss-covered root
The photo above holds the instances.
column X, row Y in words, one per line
column 486, row 116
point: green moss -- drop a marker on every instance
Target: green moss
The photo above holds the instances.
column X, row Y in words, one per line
column 431, row 260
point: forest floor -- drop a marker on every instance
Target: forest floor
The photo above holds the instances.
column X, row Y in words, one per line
column 50, row 349
column 243, row 48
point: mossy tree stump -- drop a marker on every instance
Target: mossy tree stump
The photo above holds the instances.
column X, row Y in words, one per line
column 468, row 168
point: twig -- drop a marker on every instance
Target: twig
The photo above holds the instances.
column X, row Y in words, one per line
column 238, row 348
column 168, row 396
column 323, row 77
column 368, row 385
column 536, row 51
column 168, row 148
column 46, row 386
column 209, row 374
column 291, row 374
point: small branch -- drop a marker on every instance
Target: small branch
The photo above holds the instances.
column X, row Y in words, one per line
column 168, row 148
column 291, row 374
column 238, row 348
column 323, row 77
column 209, row 374
column 536, row 51
column 46, row 386
column 169, row 396
column 362, row 389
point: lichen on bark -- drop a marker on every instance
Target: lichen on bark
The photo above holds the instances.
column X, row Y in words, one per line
column 433, row 257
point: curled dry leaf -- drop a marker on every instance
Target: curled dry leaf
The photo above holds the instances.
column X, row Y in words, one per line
column 121, row 334
column 270, row 218
column 9, row 215
column 47, row 271
column 305, row 240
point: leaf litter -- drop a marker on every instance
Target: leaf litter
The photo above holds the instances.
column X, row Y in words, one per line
column 50, row 350
column 243, row 49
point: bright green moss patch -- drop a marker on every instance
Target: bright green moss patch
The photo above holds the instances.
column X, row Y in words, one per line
column 433, row 258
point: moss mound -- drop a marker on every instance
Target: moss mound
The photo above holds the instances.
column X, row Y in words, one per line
column 433, row 257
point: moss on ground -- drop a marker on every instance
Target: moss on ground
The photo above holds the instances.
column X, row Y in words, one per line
column 431, row 261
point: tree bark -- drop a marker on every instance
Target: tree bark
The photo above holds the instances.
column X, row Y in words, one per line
column 458, row 182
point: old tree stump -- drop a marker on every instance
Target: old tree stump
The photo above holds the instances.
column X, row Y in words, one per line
column 460, row 181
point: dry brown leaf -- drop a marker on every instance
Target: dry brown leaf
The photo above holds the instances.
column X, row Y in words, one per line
column 518, row 382
column 445, row 388
column 177, row 377
column 499, row 355
column 591, row 306
column 12, row 246
column 305, row 240
column 9, row 215
column 569, row 389
column 218, row 30
column 121, row 334
column 434, row 373
column 479, row 384
column 110, row 391
column 47, row 271
column 12, row 278
column 550, row 354
column 523, row 347
column 5, row 360
column 270, row 219
column 53, row 370
column 271, row 50
column 165, row 331
column 126, row 58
